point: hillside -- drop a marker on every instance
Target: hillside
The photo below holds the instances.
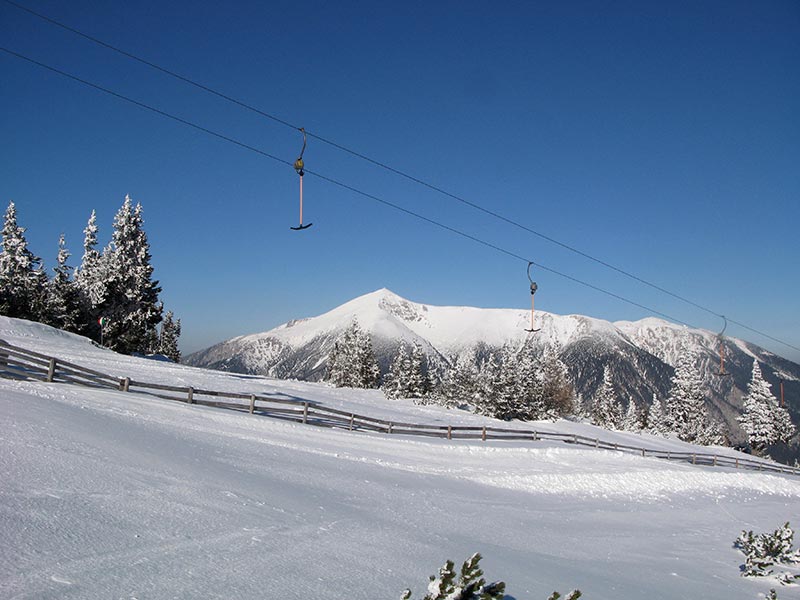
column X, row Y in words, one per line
column 642, row 353
column 108, row 494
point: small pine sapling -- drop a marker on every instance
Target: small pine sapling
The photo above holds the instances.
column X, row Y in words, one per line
column 764, row 550
column 470, row 584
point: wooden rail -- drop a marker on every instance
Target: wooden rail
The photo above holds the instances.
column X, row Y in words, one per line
column 21, row 364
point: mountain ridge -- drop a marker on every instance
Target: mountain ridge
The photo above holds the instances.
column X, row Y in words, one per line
column 642, row 353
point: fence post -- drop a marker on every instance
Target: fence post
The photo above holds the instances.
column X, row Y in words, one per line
column 252, row 403
column 715, row 460
column 305, row 412
column 535, row 435
column 190, row 398
column 51, row 370
column 694, row 459
column 483, row 433
column 449, row 432
column 575, row 439
column 596, row 442
column 644, row 453
column 126, row 384
column 737, row 463
column 390, row 427
column 352, row 419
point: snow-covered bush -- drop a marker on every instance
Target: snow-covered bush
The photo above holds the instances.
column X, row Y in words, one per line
column 573, row 595
column 470, row 584
column 765, row 550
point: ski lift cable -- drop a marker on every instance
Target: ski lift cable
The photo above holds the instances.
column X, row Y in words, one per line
column 340, row 184
column 375, row 198
column 147, row 107
column 366, row 158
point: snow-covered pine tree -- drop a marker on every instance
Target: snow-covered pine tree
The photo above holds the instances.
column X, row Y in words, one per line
column 762, row 419
column 407, row 377
column 332, row 368
column 419, row 384
column 352, row 362
column 656, row 419
column 632, row 421
column 90, row 281
column 394, row 380
column 168, row 339
column 685, row 407
column 370, row 372
column 63, row 297
column 784, row 427
column 457, row 386
column 506, row 405
column 529, row 385
column 583, row 408
column 486, row 399
column 131, row 303
column 86, row 276
column 558, row 395
column 22, row 278
column 606, row 409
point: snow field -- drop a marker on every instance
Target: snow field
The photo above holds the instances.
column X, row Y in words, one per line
column 105, row 494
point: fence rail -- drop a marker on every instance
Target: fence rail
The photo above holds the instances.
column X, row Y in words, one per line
column 21, row 364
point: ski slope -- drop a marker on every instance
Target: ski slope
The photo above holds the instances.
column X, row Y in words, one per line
column 105, row 494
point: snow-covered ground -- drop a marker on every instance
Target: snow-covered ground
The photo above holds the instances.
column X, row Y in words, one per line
column 107, row 494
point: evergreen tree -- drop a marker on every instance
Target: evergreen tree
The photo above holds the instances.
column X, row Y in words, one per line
column 369, row 371
column 131, row 303
column 352, row 362
column 529, row 388
column 686, row 409
column 90, row 282
column 334, row 372
column 457, row 387
column 168, row 340
column 63, row 297
column 87, row 277
column 632, row 421
column 22, row 278
column 606, row 410
column 656, row 419
column 583, row 408
column 509, row 404
column 487, row 393
column 407, row 377
column 558, row 395
column 762, row 419
column 393, row 382
column 419, row 384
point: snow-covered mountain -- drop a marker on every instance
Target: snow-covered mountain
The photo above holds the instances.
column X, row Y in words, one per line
column 642, row 353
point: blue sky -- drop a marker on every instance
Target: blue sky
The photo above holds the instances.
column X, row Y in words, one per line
column 660, row 137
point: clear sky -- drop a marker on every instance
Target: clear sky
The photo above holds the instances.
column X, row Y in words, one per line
column 661, row 137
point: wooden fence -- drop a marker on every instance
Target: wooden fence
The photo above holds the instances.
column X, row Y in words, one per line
column 21, row 364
